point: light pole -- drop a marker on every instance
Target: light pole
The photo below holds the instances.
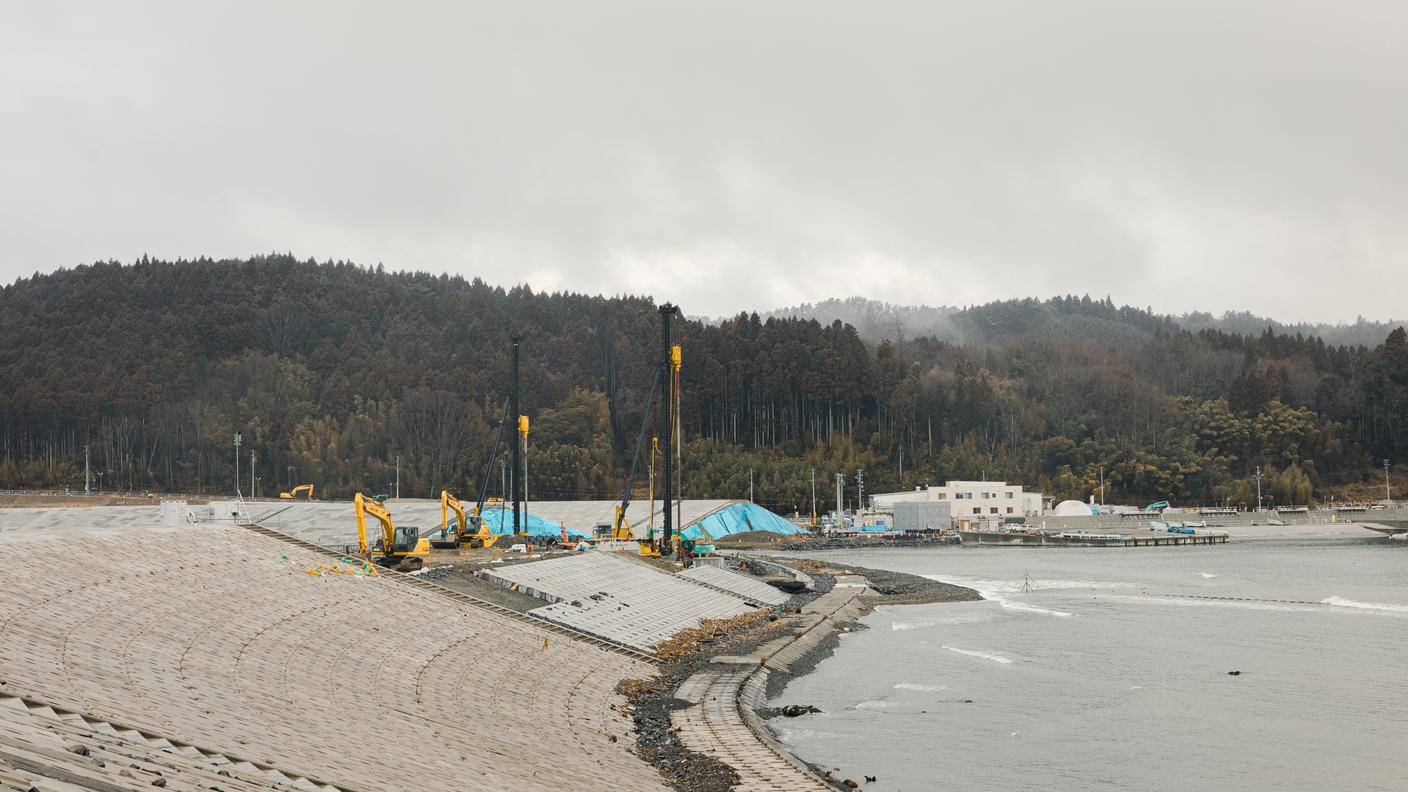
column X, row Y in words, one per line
column 237, row 464
column 1258, row 487
column 252, row 493
column 1388, row 493
column 87, row 471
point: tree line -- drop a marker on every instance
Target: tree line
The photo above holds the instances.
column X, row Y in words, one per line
column 339, row 375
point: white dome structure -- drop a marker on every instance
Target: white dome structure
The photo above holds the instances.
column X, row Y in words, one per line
column 1073, row 508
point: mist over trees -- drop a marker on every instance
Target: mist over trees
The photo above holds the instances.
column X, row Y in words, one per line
column 877, row 321
column 331, row 371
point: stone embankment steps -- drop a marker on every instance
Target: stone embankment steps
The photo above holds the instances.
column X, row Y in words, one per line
column 716, row 726
column 615, row 598
column 467, row 599
column 730, row 582
column 212, row 640
column 41, row 744
column 721, row 721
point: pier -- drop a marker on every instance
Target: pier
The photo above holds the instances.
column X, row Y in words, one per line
column 1040, row 538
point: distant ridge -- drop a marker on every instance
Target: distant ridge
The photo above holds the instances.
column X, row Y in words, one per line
column 1067, row 318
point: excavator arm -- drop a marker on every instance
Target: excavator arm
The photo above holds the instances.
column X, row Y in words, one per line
column 449, row 503
column 292, row 494
column 367, row 506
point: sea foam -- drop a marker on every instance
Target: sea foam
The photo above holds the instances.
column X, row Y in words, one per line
column 983, row 655
column 1384, row 607
column 919, row 687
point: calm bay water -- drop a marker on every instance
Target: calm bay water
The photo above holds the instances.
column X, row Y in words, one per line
column 1111, row 673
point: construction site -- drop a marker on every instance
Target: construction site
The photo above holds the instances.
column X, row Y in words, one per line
column 380, row 643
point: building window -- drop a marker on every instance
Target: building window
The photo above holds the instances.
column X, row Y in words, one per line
column 1009, row 509
column 943, row 496
column 977, row 510
column 1009, row 496
column 992, row 510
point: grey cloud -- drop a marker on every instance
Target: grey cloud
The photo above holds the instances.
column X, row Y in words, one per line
column 730, row 155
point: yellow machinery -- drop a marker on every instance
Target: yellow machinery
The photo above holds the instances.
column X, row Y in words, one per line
column 306, row 488
column 460, row 532
column 401, row 549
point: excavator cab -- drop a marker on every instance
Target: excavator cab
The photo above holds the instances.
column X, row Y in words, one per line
column 404, row 541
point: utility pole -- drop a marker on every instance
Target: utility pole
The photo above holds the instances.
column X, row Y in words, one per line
column 860, row 491
column 813, row 499
column 515, row 412
column 1388, row 493
column 87, row 471
column 503, row 483
column 840, row 504
column 398, row 476
column 1258, row 487
column 252, row 493
column 750, row 485
column 1102, row 485
column 237, row 465
column 668, row 501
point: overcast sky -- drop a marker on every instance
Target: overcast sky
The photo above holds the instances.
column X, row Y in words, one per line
column 728, row 156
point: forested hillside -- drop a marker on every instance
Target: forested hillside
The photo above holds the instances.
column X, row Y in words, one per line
column 331, row 371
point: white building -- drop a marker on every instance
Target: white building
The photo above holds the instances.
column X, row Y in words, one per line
column 990, row 499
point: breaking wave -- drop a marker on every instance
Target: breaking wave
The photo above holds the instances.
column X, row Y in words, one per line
column 983, row 655
column 1022, row 606
column 1341, row 602
column 873, row 704
column 919, row 687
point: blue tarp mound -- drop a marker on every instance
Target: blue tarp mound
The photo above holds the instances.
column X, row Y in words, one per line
column 740, row 518
column 501, row 521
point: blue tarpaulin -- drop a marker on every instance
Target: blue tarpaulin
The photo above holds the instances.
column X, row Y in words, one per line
column 500, row 521
column 740, row 518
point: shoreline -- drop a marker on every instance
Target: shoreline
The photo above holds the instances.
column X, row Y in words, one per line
column 757, row 662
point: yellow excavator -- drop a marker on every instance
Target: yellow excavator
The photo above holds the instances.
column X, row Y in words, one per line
column 460, row 532
column 401, row 549
column 307, row 488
